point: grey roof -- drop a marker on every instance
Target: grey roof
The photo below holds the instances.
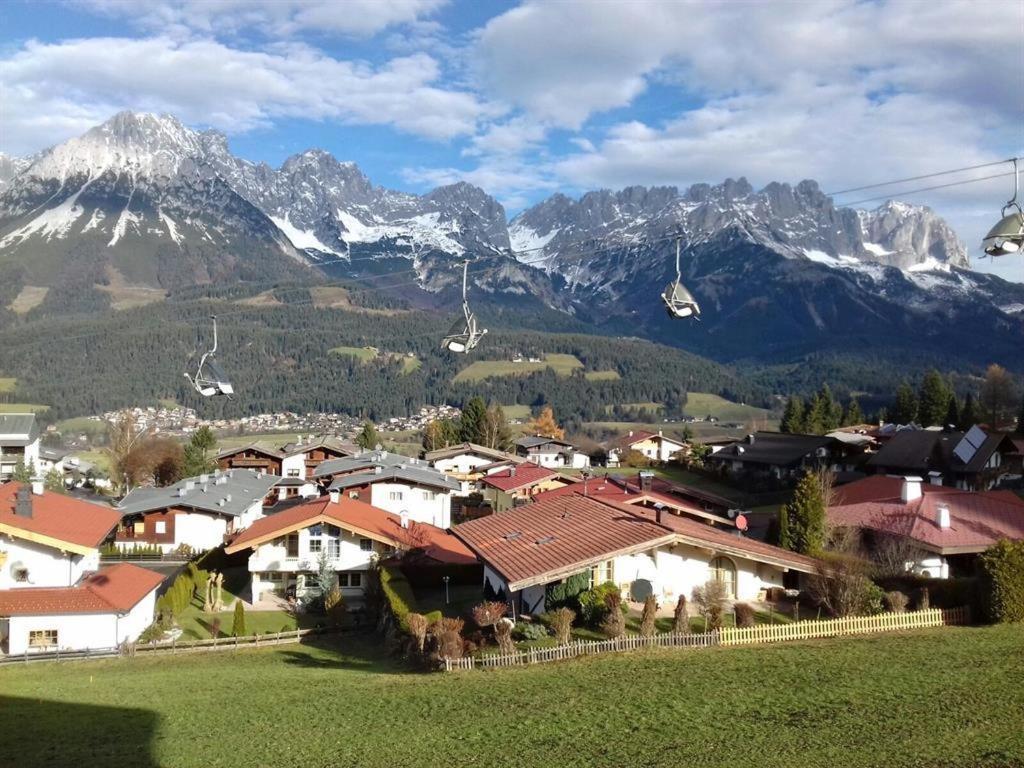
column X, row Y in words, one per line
column 461, row 448
column 52, row 454
column 18, row 429
column 930, row 450
column 537, row 441
column 331, row 443
column 412, row 475
column 773, row 448
column 257, row 445
column 362, row 460
column 230, row 492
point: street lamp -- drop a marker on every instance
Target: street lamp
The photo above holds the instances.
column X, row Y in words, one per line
column 446, row 579
column 1008, row 235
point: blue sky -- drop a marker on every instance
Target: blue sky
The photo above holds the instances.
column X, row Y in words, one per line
column 526, row 99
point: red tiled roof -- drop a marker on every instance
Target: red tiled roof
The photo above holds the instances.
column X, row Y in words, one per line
column 114, row 589
column 622, row 491
column 523, row 475
column 59, row 517
column 359, row 517
column 540, row 542
column 977, row 519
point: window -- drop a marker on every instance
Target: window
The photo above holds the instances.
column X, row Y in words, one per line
column 139, row 527
column 42, row 638
column 334, row 548
column 292, row 545
column 723, row 570
column 293, row 473
column 316, row 545
column 366, row 545
column 604, row 572
column 429, row 495
column 352, row 579
column 395, row 495
column 161, row 526
column 353, row 494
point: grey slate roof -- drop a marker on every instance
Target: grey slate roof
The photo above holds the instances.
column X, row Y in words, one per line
column 458, row 450
column 773, row 448
column 378, row 466
column 536, row 442
column 929, row 450
column 18, row 429
column 230, row 493
column 362, row 460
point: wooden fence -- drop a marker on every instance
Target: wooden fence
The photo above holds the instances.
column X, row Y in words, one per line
column 169, row 647
column 769, row 633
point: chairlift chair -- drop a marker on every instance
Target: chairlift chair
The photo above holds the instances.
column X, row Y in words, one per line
column 1008, row 235
column 679, row 302
column 464, row 334
column 210, row 379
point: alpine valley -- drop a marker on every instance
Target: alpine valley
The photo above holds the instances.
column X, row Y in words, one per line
column 144, row 215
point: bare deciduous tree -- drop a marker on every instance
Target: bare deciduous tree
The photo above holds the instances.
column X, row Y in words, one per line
column 893, row 554
column 561, row 623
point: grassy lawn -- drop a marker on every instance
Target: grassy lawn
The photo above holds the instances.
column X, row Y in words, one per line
column 82, row 425
column 97, row 457
column 23, row 408
column 30, row 297
column 563, row 365
column 521, row 412
column 945, row 697
column 366, row 354
column 273, row 438
column 7, row 383
column 602, row 376
column 702, row 404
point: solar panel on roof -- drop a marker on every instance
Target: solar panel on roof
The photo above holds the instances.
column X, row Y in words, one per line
column 969, row 444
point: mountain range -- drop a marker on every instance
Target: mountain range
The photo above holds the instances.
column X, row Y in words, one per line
column 143, row 201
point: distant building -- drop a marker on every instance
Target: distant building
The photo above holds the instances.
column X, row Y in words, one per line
column 517, row 484
column 777, row 455
column 198, row 512
column 394, row 483
column 653, row 446
column 294, row 462
column 19, row 442
column 551, row 453
column 946, row 527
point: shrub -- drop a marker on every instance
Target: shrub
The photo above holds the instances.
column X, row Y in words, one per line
column 896, row 601
column 841, row 585
column 417, row 627
column 215, row 627
column 744, row 615
column 487, row 613
column 614, row 623
column 924, row 599
column 873, row 599
column 942, row 593
column 153, row 632
column 238, row 623
column 594, row 603
column 1003, row 581
column 648, row 616
column 710, row 599
column 398, row 594
column 447, row 633
column 530, row 631
column 561, row 622
column 567, row 592
column 334, row 605
column 503, row 634
column 680, row 618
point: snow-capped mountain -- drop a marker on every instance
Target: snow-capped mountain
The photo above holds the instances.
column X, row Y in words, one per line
column 11, row 167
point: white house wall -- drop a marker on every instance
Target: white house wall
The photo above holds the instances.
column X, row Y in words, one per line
column 463, row 464
column 198, row 530
column 84, row 630
column 47, row 567
column 416, row 501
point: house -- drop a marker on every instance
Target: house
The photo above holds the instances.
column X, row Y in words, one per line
column 777, row 455
column 287, row 546
column 50, row 460
column 506, row 488
column 654, row 447
column 643, row 551
column 974, row 460
column 198, row 512
column 48, row 539
column 19, row 443
column 394, row 483
column 551, row 452
column 293, row 462
column 944, row 528
column 106, row 608
column 466, row 461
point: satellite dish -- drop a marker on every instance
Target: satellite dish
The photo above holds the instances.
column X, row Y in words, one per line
column 741, row 522
column 640, row 590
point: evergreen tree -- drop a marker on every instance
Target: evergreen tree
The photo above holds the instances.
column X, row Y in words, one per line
column 952, row 411
column 853, row 414
column 238, row 622
column 793, row 416
column 933, row 400
column 54, row 481
column 969, row 415
column 367, row 439
column 814, row 417
column 904, row 410
column 832, row 410
column 198, row 458
column 473, row 423
column 1020, row 418
column 24, row 473
column 805, row 517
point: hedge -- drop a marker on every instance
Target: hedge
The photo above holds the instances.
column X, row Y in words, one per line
column 942, row 593
column 1003, row 568
column 398, row 592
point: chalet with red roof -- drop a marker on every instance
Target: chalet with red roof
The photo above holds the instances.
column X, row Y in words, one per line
column 103, row 610
column 946, row 527
column 287, row 547
column 48, row 539
column 517, row 484
column 643, row 551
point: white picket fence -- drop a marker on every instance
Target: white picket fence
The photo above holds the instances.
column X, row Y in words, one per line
column 768, row 633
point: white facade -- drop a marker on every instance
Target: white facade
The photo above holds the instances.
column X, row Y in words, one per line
column 464, row 464
column 294, row 466
column 432, row 506
column 77, row 631
column 282, row 564
column 28, row 564
column 10, row 456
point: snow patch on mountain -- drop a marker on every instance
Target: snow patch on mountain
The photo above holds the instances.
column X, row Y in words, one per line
column 301, row 238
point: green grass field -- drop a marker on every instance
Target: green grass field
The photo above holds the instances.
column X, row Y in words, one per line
column 521, row 412
column 7, row 383
column 602, row 376
column 702, row 404
column 563, row 365
column 366, row 354
column 945, row 697
column 23, row 408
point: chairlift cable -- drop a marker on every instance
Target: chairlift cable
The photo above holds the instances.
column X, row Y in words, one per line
column 920, row 178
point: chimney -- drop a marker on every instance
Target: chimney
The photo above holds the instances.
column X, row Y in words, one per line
column 646, row 478
column 512, row 471
column 23, row 502
column 404, row 515
column 911, row 490
column 750, row 439
column 37, row 486
column 658, row 510
column 935, row 478
column 335, row 496
column 942, row 516
column 660, row 434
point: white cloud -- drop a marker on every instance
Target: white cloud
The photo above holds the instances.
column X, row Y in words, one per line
column 355, row 18
column 52, row 91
